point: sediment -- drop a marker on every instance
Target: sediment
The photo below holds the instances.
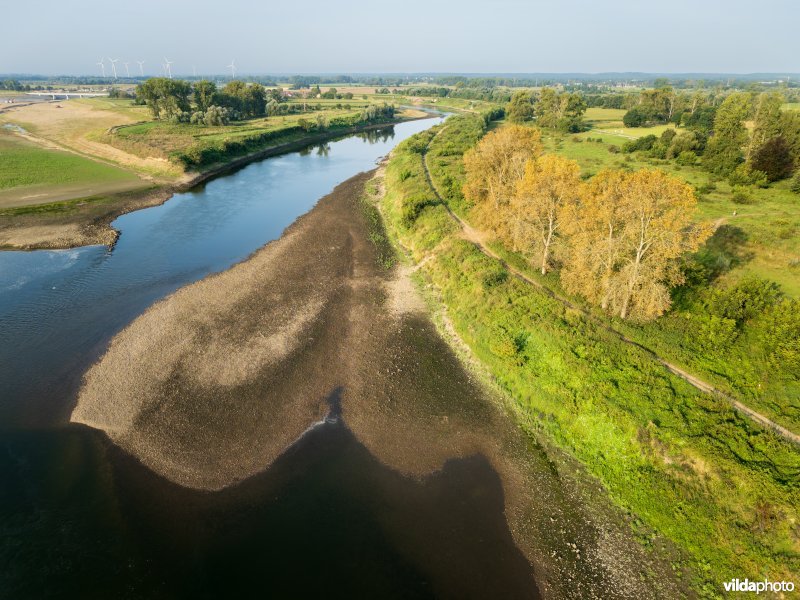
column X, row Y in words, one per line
column 211, row 385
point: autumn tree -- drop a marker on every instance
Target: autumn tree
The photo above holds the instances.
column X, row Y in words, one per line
column 493, row 168
column 657, row 231
column 550, row 185
column 594, row 228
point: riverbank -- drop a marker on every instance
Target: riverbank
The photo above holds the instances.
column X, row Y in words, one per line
column 683, row 462
column 87, row 221
column 211, row 385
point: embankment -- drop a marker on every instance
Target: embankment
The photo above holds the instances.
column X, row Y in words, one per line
column 684, row 463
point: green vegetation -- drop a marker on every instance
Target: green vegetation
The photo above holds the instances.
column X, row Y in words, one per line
column 684, row 463
column 26, row 168
column 236, row 120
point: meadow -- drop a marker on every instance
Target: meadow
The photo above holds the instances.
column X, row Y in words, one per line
column 31, row 174
column 684, row 464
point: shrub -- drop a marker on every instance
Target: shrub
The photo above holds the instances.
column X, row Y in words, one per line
column 744, row 175
column 493, row 278
column 413, row 206
column 741, row 197
column 687, row 158
column 795, row 185
column 643, row 143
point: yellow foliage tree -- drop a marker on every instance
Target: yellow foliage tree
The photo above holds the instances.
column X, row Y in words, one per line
column 550, row 186
column 594, row 227
column 627, row 238
column 493, row 169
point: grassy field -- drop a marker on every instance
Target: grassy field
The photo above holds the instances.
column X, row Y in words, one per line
column 31, row 174
column 684, row 463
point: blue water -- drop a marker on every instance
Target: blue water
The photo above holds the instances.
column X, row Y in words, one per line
column 59, row 309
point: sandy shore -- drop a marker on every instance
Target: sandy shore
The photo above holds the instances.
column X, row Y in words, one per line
column 210, row 385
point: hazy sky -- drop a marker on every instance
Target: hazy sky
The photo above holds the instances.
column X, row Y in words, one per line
column 70, row 36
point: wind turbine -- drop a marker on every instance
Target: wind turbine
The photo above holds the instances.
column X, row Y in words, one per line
column 167, row 63
column 194, row 71
column 113, row 62
column 141, row 69
column 102, row 66
column 127, row 71
column 232, row 67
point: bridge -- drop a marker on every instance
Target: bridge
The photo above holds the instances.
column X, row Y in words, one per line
column 55, row 95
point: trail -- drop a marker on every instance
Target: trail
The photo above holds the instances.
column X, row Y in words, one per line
column 478, row 239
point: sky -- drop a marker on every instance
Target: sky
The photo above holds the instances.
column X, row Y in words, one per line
column 405, row 36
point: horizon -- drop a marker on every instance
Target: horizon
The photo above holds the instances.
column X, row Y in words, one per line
column 619, row 36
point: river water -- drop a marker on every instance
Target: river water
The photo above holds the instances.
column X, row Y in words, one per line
column 80, row 518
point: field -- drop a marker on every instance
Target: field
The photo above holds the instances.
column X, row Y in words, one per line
column 684, row 463
column 79, row 126
column 166, row 140
column 31, row 174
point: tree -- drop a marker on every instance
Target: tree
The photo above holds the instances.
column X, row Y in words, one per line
column 595, row 228
column 774, row 158
column 547, row 108
column 550, row 185
column 657, row 232
column 167, row 96
column 637, row 116
column 766, row 122
column 493, row 168
column 247, row 100
column 790, row 131
column 724, row 151
column 205, row 94
column 520, row 108
column 560, row 111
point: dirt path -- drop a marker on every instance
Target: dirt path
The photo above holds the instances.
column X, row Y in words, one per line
column 478, row 238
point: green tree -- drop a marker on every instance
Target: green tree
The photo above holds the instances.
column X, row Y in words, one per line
column 520, row 107
column 774, row 158
column 205, row 94
column 168, row 97
column 766, row 122
column 725, row 148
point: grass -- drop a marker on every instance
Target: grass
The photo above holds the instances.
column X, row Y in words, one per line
column 29, row 172
column 683, row 463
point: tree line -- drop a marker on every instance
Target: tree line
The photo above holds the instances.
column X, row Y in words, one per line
column 549, row 108
column 617, row 239
column 746, row 138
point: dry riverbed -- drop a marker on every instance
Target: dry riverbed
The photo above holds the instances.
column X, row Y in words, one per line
column 212, row 384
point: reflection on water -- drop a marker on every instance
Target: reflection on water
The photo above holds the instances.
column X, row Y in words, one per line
column 58, row 309
column 81, row 519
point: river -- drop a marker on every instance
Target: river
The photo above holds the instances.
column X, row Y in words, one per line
column 81, row 518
